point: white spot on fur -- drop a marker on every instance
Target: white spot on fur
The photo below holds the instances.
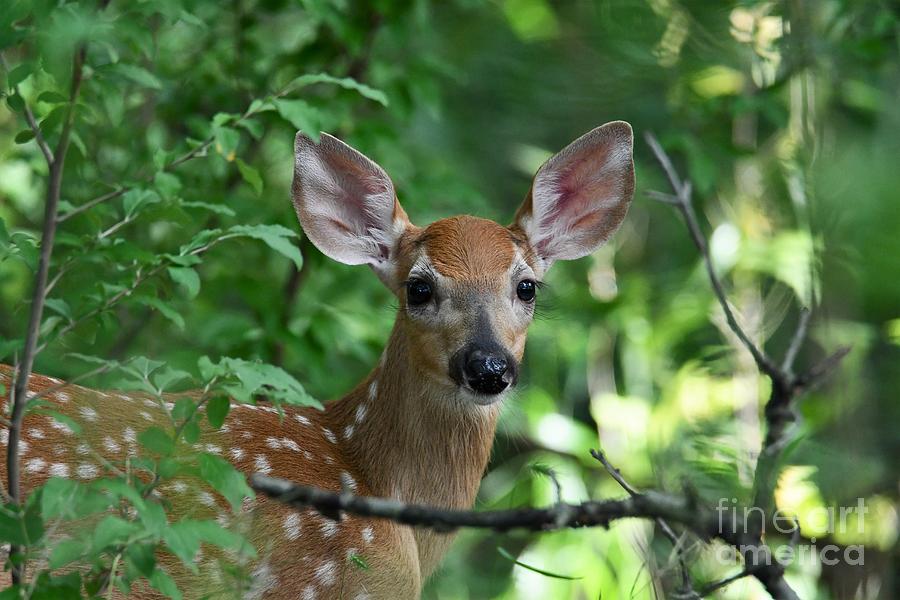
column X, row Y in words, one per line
column 149, row 403
column 206, row 498
column 87, row 471
column 59, row 470
column 262, row 580
column 59, row 450
column 348, row 481
column 292, row 526
column 326, row 573
column 373, row 390
column 147, row 416
column 4, row 436
column 129, row 435
column 328, row 527
column 309, row 593
column 111, row 446
column 62, row 397
column 329, row 435
column 23, row 447
column 35, row 465
column 82, row 449
column 362, row 595
column 273, row 443
column 179, row 487
column 302, row 420
column 328, row 460
column 37, row 434
column 290, row 444
column 361, row 411
column 236, row 453
column 261, row 464
column 348, row 432
column 368, row 534
column 307, row 455
column 246, row 435
column 60, row 426
column 212, row 449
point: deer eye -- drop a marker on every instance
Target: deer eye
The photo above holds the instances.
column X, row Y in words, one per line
column 525, row 290
column 418, row 292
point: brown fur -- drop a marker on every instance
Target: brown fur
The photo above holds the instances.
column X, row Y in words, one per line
column 468, row 249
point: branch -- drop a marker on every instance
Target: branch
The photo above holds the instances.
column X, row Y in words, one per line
column 687, row 587
column 32, row 122
column 682, row 200
column 653, row 505
column 56, row 163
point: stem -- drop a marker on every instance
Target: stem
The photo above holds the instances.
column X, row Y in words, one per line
column 38, row 298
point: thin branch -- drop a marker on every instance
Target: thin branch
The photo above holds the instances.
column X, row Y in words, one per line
column 647, row 505
column 797, row 341
column 683, row 190
column 39, row 296
column 32, row 122
column 687, row 586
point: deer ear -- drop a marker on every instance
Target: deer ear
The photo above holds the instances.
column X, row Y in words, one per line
column 346, row 203
column 580, row 196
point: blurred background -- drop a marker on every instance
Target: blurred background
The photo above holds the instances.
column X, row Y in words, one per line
column 784, row 116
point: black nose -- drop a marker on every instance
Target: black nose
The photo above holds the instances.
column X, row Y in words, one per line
column 486, row 372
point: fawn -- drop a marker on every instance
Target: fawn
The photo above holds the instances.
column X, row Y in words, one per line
column 420, row 427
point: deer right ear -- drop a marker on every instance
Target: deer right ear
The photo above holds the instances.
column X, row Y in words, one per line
column 346, row 204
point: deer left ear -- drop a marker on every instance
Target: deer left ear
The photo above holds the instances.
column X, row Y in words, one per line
column 580, row 196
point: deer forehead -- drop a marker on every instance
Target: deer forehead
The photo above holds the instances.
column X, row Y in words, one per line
column 469, row 249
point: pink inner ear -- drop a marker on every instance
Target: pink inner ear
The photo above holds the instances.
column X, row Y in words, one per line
column 581, row 186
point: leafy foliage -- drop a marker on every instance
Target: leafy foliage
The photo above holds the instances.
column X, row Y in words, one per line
column 177, row 241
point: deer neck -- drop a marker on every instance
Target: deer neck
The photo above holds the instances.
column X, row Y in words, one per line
column 413, row 437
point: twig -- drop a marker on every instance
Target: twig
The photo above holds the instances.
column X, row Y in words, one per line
column 601, row 513
column 56, row 163
column 797, row 341
column 32, row 122
column 687, row 587
column 682, row 200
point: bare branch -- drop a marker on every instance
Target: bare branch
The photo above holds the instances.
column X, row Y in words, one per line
column 648, row 505
column 797, row 341
column 687, row 586
column 683, row 191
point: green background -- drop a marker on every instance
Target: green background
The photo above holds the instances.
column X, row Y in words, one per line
column 784, row 115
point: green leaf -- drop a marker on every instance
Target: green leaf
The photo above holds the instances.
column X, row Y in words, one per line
column 60, row 306
column 187, row 278
column 191, row 432
column 251, row 175
column 141, row 558
column 217, row 410
column 344, row 82
column 16, row 103
column 276, row 237
column 184, row 409
column 66, row 551
column 164, row 309
column 227, row 480
column 301, row 115
column 513, row 559
column 139, row 75
column 226, row 142
column 51, row 97
column 168, row 184
column 164, row 584
column 220, row 209
column 157, row 441
column 18, row 74
column 111, row 530
column 24, row 136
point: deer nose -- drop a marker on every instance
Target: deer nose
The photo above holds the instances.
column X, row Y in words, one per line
column 486, row 372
